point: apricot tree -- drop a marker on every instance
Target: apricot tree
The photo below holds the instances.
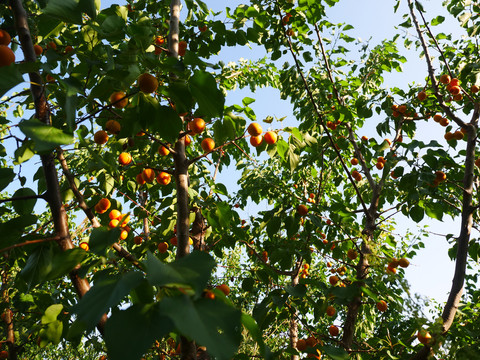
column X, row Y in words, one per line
column 122, row 241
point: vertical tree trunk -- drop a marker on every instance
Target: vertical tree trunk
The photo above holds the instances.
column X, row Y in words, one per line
column 8, row 318
column 293, row 326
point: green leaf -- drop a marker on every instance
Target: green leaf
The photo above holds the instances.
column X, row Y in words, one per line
column 90, row 7
column 299, row 290
column 247, row 101
column 24, row 206
column 335, row 353
column 211, row 323
column 105, row 294
column 282, row 148
column 139, row 326
column 65, row 10
column 24, row 152
column 169, row 123
column 193, row 270
column 210, row 99
column 13, row 229
column 251, row 325
column 437, row 21
column 102, row 238
column 38, row 265
column 9, row 77
column 51, row 333
column 417, row 213
column 46, row 137
column 51, row 313
column 6, row 177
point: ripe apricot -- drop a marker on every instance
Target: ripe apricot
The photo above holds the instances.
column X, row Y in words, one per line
column 209, row 295
column 147, row 83
column 203, row 28
column 140, row 180
column 437, row 117
column 208, row 144
column 113, row 127
column 477, row 162
column 38, row 49
column 458, row 135
column 444, row 122
column 159, row 40
column 440, row 176
column 333, row 280
column 354, row 161
column 402, row 109
column 265, row 256
column 68, row 49
column 270, row 137
column 333, row 330
column 162, row 150
column 104, row 204
column 148, row 175
column 424, row 336
column 448, row 136
column 174, row 241
column 455, row 90
column 124, row 158
column 162, row 247
column 330, row 311
column 445, row 79
column 123, row 234
column 52, row 45
column 474, row 89
column 118, row 99
column 7, row 57
column 364, row 138
column 164, row 178
column 182, row 48
column 382, row 306
column 352, row 254
column 4, row 354
column 100, row 137
column 256, row 140
column 113, row 223
column 422, row 95
column 311, row 341
column 137, row 240
column 5, row 37
column 380, row 165
column 254, row 129
column 224, row 288
column 84, row 245
column 302, row 210
column 188, row 140
column 197, row 125
column 114, row 214
column 301, row 345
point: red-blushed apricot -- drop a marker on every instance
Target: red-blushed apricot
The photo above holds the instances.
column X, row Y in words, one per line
column 148, row 175
column 147, row 83
column 302, row 210
column 422, row 95
column 224, row 288
column 182, row 48
column 188, row 140
column 140, row 180
column 354, row 161
column 137, row 240
column 382, row 306
column 254, row 129
column 84, row 245
column 444, row 122
column 474, row 89
column 202, row 28
column 164, row 178
column 159, row 40
column 330, row 311
column 162, row 247
column 7, row 57
column 352, row 254
column 52, row 45
column 100, row 137
column 301, row 345
column 445, row 79
column 5, row 38
column 333, row 280
column 424, row 336
column 162, row 150
column 333, row 330
column 403, row 262
column 104, row 204
column 118, row 99
column 38, row 49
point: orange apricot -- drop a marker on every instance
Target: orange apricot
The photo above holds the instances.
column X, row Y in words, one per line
column 5, row 37
column 256, row 140
column 422, row 95
column 445, row 79
column 100, row 137
column 148, row 175
column 164, row 178
column 162, row 150
column 124, row 158
column 118, row 99
column 7, row 57
column 302, row 210
column 114, row 214
column 84, row 245
column 208, row 144
column 270, row 137
column 113, row 127
column 333, row 330
column 330, row 311
column 197, row 125
column 382, row 306
column 38, row 49
column 224, row 288
column 182, row 48
column 254, row 129
column 162, row 247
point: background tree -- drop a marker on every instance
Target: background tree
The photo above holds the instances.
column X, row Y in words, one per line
column 123, row 242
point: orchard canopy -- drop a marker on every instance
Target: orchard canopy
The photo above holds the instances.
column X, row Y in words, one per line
column 144, row 214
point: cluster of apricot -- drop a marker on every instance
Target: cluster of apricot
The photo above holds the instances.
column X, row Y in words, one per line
column 117, row 219
column 380, row 163
column 453, row 86
column 7, row 57
column 402, row 110
column 256, row 138
column 310, row 342
column 304, row 271
column 311, row 198
column 394, row 264
column 149, row 175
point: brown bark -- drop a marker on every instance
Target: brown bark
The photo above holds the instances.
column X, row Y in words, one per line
column 8, row 318
column 293, row 325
